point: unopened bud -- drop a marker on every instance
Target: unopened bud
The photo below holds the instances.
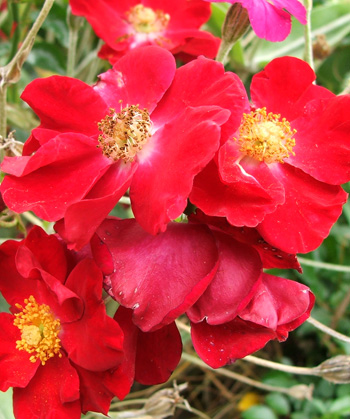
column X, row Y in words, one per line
column 236, row 23
column 321, row 48
column 301, row 391
column 163, row 403
column 336, row 369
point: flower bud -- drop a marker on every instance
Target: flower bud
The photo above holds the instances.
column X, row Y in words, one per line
column 163, row 403
column 301, row 391
column 336, row 369
column 235, row 24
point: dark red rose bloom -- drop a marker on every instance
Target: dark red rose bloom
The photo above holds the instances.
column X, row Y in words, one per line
column 150, row 357
column 58, row 337
column 164, row 127
column 159, row 277
column 213, row 277
column 173, row 25
column 278, row 307
column 282, row 169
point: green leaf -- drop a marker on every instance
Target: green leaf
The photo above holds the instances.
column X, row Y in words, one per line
column 217, row 18
column 331, row 20
column 47, row 57
column 259, row 412
column 6, row 405
column 341, row 406
column 278, row 402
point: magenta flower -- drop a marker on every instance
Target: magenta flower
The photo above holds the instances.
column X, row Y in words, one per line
column 269, row 20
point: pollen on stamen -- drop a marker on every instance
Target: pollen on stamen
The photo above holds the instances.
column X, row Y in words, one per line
column 146, row 20
column 124, row 134
column 266, row 136
column 39, row 331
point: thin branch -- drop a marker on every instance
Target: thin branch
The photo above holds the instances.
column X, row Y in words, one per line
column 299, row 391
column 323, row 265
column 280, row 367
column 308, row 35
column 328, row 330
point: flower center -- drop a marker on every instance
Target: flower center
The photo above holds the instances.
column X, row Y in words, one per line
column 124, row 133
column 266, row 136
column 39, row 331
column 146, row 20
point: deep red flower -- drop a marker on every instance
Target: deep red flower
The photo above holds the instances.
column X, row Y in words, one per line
column 150, row 357
column 173, row 25
column 85, row 156
column 159, row 277
column 269, row 20
column 282, row 170
column 215, row 278
column 278, row 307
column 58, row 336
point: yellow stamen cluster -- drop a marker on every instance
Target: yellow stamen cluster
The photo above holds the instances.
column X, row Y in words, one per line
column 39, row 331
column 266, row 136
column 146, row 20
column 124, row 133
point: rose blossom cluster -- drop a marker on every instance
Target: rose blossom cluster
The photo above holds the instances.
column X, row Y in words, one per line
column 259, row 181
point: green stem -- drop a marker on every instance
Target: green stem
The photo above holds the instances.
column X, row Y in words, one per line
column 16, row 35
column 3, row 111
column 72, row 49
column 224, row 50
column 11, row 72
column 324, row 265
column 308, row 35
column 18, row 60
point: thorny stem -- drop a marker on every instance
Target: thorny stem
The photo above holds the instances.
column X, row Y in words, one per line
column 328, row 330
column 308, row 35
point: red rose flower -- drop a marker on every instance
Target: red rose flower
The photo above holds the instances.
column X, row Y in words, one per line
column 58, row 336
column 219, row 284
column 173, row 25
column 150, row 357
column 278, row 307
column 282, row 170
column 270, row 20
column 142, row 126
